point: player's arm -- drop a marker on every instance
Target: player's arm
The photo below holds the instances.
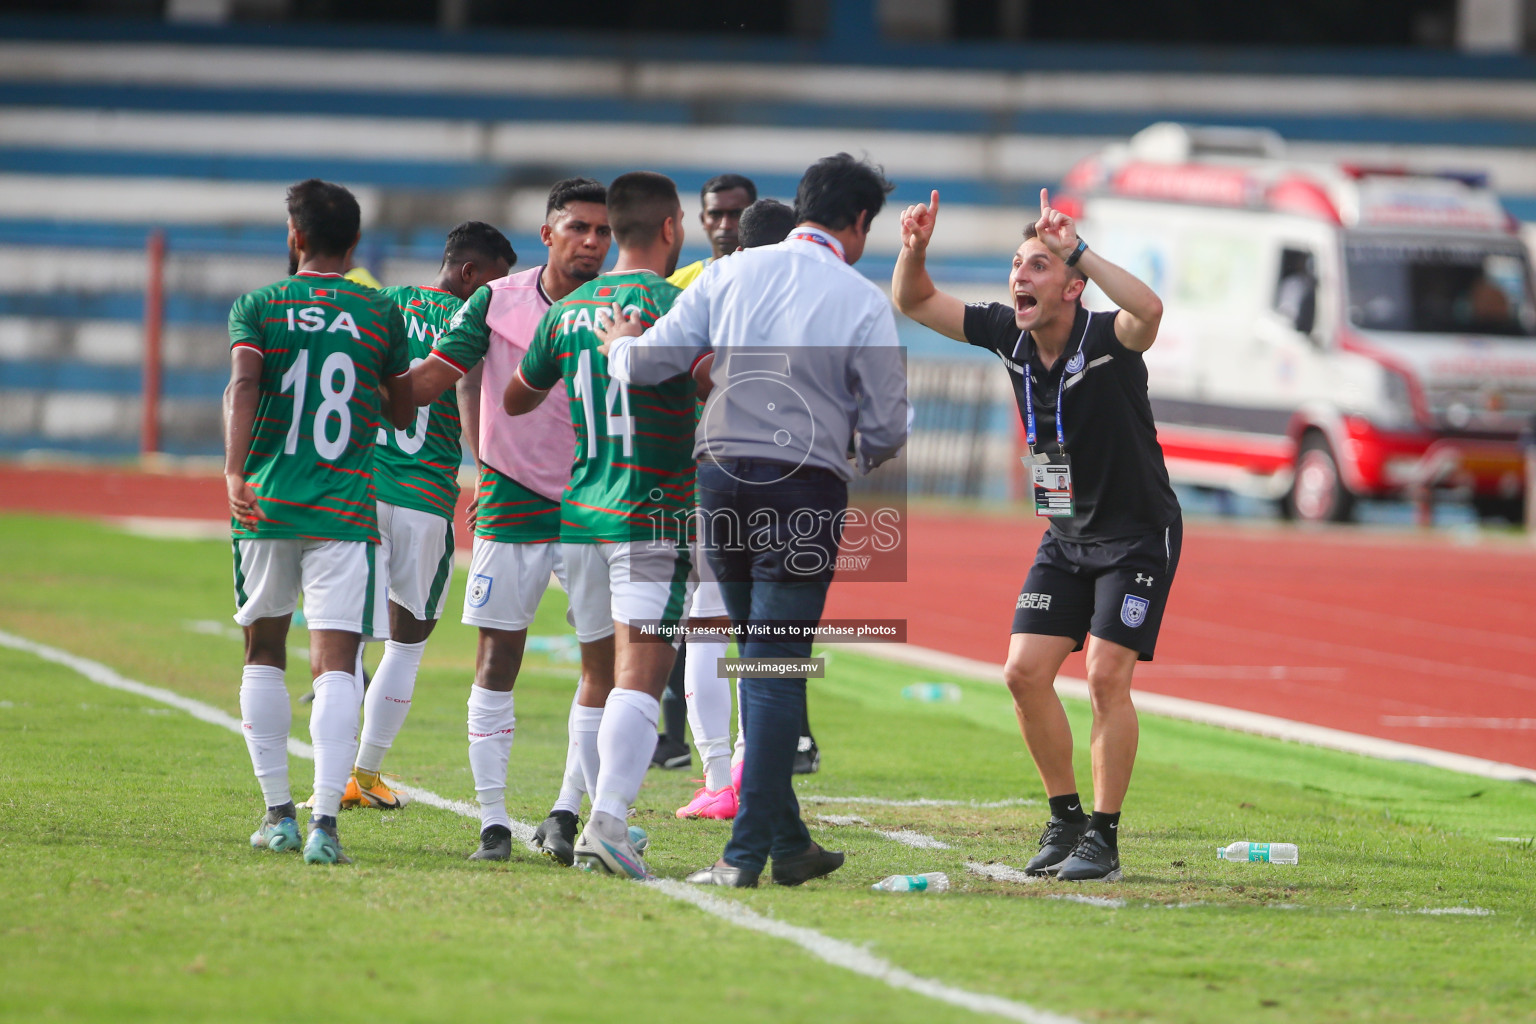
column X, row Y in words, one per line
column 522, row 397
column 645, row 349
column 702, row 380
column 879, row 380
column 469, row 408
column 241, row 397
column 457, row 352
column 912, row 289
column 1141, row 311
column 430, row 378
column 398, row 407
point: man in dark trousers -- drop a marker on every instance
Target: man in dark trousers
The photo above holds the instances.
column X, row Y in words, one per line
column 1096, row 472
column 805, row 354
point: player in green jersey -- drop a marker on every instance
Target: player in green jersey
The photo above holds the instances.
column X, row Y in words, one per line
column 524, row 467
column 310, row 355
column 631, row 489
column 416, row 481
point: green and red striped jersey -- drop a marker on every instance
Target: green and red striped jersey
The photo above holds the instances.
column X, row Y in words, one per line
column 633, row 476
column 419, row 467
column 326, row 344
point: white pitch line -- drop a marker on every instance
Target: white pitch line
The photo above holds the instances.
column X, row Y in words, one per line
column 853, row 958
column 827, row 949
column 905, row 837
column 875, row 801
column 1111, row 902
column 1002, row 873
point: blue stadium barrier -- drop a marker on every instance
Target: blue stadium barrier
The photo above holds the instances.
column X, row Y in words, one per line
column 1455, row 131
column 865, row 51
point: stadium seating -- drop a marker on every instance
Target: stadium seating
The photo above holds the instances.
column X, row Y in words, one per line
column 104, row 139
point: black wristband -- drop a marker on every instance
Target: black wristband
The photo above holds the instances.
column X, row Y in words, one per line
column 1076, row 254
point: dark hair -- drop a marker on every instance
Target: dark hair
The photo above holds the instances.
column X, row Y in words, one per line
column 726, row 182
column 1030, row 232
column 765, row 222
column 835, row 189
column 477, row 239
column 638, row 204
column 575, row 190
column 326, row 215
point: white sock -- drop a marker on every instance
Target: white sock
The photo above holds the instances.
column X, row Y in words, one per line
column 739, row 754
column 333, row 734
column 573, row 785
column 267, row 717
column 709, row 707
column 388, row 701
column 492, row 723
column 585, row 723
column 625, row 742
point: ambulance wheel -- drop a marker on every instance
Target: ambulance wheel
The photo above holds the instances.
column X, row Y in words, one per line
column 1499, row 509
column 1318, row 494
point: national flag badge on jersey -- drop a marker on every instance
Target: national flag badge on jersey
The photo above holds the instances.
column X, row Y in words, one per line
column 322, row 293
column 605, row 292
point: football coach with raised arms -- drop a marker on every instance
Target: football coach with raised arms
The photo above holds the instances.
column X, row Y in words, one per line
column 1095, row 472
column 806, row 364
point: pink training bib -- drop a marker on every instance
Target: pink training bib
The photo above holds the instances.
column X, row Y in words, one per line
column 535, row 449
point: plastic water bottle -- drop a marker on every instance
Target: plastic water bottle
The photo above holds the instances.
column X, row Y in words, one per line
column 1272, row 853
column 933, row 881
column 931, row 693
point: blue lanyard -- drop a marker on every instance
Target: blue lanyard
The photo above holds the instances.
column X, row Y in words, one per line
column 1031, row 436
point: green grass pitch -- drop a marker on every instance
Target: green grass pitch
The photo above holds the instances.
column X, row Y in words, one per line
column 128, row 891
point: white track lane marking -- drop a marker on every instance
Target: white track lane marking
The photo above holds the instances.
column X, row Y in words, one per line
column 1453, row 722
column 825, row 948
column 1214, row 714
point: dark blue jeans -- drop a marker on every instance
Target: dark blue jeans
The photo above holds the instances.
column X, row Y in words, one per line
column 772, row 541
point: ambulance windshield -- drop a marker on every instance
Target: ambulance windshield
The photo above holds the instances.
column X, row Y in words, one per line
column 1439, row 286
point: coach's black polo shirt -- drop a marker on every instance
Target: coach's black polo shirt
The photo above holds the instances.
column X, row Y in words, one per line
column 1119, row 480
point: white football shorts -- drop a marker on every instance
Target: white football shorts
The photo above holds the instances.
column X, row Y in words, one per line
column 647, row 581
column 417, row 548
column 507, row 581
column 340, row 580
column 707, row 601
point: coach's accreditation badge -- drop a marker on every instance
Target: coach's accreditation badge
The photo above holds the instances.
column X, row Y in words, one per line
column 1051, row 481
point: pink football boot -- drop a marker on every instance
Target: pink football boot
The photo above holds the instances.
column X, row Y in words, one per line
column 719, row 804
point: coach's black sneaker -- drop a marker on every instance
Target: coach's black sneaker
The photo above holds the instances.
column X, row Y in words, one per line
column 1092, row 860
column 807, row 756
column 1056, row 844
column 495, row 844
column 671, row 753
column 555, row 837
column 811, row 862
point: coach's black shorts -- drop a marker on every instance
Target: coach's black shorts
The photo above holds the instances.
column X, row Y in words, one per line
column 1114, row 589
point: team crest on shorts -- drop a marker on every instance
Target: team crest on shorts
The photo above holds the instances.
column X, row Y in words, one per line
column 1133, row 612
column 480, row 590
column 1075, row 364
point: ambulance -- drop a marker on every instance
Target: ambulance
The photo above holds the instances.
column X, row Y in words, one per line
column 1330, row 332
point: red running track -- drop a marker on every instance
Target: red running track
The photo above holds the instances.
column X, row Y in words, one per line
column 1415, row 638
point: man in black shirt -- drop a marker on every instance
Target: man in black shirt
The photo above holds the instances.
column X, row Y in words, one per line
column 1104, row 567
